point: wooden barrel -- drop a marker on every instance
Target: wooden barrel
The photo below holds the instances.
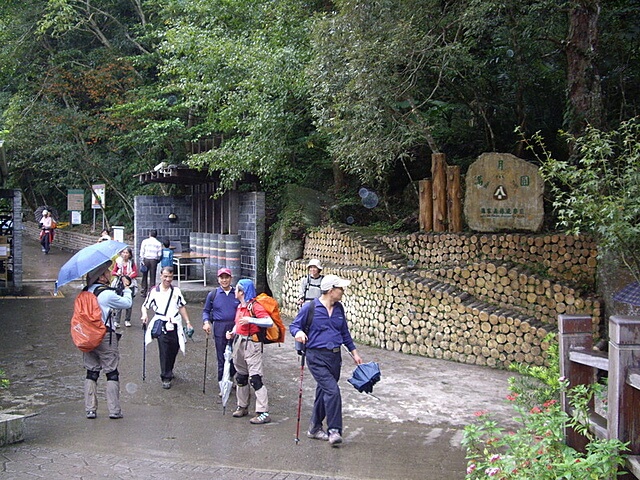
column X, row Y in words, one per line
column 193, row 241
column 232, row 256
column 212, row 262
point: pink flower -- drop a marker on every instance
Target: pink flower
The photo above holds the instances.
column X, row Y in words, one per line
column 492, row 472
column 471, row 468
column 549, row 403
column 512, row 397
column 494, row 458
column 535, row 410
column 480, row 413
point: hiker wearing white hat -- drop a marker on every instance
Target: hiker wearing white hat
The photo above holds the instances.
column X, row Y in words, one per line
column 310, row 285
column 321, row 325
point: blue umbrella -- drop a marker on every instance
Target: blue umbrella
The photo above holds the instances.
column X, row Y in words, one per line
column 87, row 259
column 365, row 376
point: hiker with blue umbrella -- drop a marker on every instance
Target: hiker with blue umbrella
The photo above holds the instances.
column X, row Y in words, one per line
column 327, row 330
column 95, row 262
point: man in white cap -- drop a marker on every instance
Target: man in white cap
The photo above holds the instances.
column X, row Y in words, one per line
column 323, row 333
column 310, row 285
column 106, row 355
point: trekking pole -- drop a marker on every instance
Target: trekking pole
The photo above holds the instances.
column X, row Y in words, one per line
column 206, row 352
column 144, row 352
column 302, row 358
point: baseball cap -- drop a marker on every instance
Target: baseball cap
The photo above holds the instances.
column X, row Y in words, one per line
column 333, row 281
column 314, row 262
column 224, row 271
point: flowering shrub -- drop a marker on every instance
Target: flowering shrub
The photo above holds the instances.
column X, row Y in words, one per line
column 536, row 450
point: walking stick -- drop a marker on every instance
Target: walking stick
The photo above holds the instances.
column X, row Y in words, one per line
column 302, row 358
column 144, row 352
column 302, row 350
column 206, row 353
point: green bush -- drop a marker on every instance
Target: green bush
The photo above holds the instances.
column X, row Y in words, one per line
column 536, row 449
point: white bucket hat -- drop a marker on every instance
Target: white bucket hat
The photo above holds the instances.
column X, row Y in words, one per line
column 314, row 262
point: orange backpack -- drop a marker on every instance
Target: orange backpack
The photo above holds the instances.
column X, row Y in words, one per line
column 87, row 327
column 276, row 332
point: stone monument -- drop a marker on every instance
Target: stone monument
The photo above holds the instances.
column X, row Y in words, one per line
column 503, row 192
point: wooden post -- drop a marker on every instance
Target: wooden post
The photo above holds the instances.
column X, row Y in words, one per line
column 439, row 175
column 426, row 205
column 454, row 199
column 623, row 399
column 574, row 333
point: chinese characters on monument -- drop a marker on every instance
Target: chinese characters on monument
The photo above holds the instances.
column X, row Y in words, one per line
column 503, row 192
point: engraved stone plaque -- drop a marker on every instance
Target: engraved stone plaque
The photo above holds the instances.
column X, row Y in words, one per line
column 503, row 192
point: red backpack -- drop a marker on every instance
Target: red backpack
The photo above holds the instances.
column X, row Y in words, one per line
column 87, row 327
column 276, row 332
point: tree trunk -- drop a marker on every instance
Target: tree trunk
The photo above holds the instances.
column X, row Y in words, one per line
column 583, row 82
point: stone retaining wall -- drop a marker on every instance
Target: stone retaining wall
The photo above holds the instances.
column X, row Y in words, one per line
column 65, row 238
column 430, row 307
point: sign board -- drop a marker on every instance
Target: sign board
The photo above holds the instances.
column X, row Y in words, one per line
column 76, row 218
column 75, row 200
column 118, row 233
column 97, row 196
column 503, row 192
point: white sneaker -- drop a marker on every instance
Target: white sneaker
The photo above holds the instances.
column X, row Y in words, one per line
column 127, row 323
column 335, row 438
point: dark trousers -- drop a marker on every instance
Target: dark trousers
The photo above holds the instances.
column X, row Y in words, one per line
column 324, row 366
column 168, row 348
column 219, row 331
column 149, row 277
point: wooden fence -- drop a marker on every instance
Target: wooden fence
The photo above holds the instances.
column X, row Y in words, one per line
column 580, row 364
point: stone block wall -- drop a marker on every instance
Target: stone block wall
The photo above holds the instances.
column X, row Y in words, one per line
column 18, row 232
column 152, row 213
column 431, row 308
column 65, row 238
column 251, row 228
column 14, row 263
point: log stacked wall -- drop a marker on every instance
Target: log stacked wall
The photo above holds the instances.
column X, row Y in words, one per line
column 463, row 309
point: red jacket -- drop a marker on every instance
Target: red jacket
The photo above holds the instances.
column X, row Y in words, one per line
column 250, row 328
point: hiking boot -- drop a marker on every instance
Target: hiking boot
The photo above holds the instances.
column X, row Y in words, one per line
column 115, row 416
column 127, row 323
column 318, row 435
column 241, row 412
column 166, row 384
column 335, row 438
column 261, row 418
column 91, row 414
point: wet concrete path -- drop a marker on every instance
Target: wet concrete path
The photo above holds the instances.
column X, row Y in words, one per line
column 412, row 432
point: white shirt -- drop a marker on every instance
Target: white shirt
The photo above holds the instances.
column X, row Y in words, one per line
column 151, row 249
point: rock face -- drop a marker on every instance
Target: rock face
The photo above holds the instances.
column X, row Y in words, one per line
column 503, row 192
column 302, row 210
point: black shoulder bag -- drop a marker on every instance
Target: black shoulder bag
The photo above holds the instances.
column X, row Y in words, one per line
column 158, row 326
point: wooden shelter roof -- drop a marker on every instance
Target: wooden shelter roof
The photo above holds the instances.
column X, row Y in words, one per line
column 176, row 174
